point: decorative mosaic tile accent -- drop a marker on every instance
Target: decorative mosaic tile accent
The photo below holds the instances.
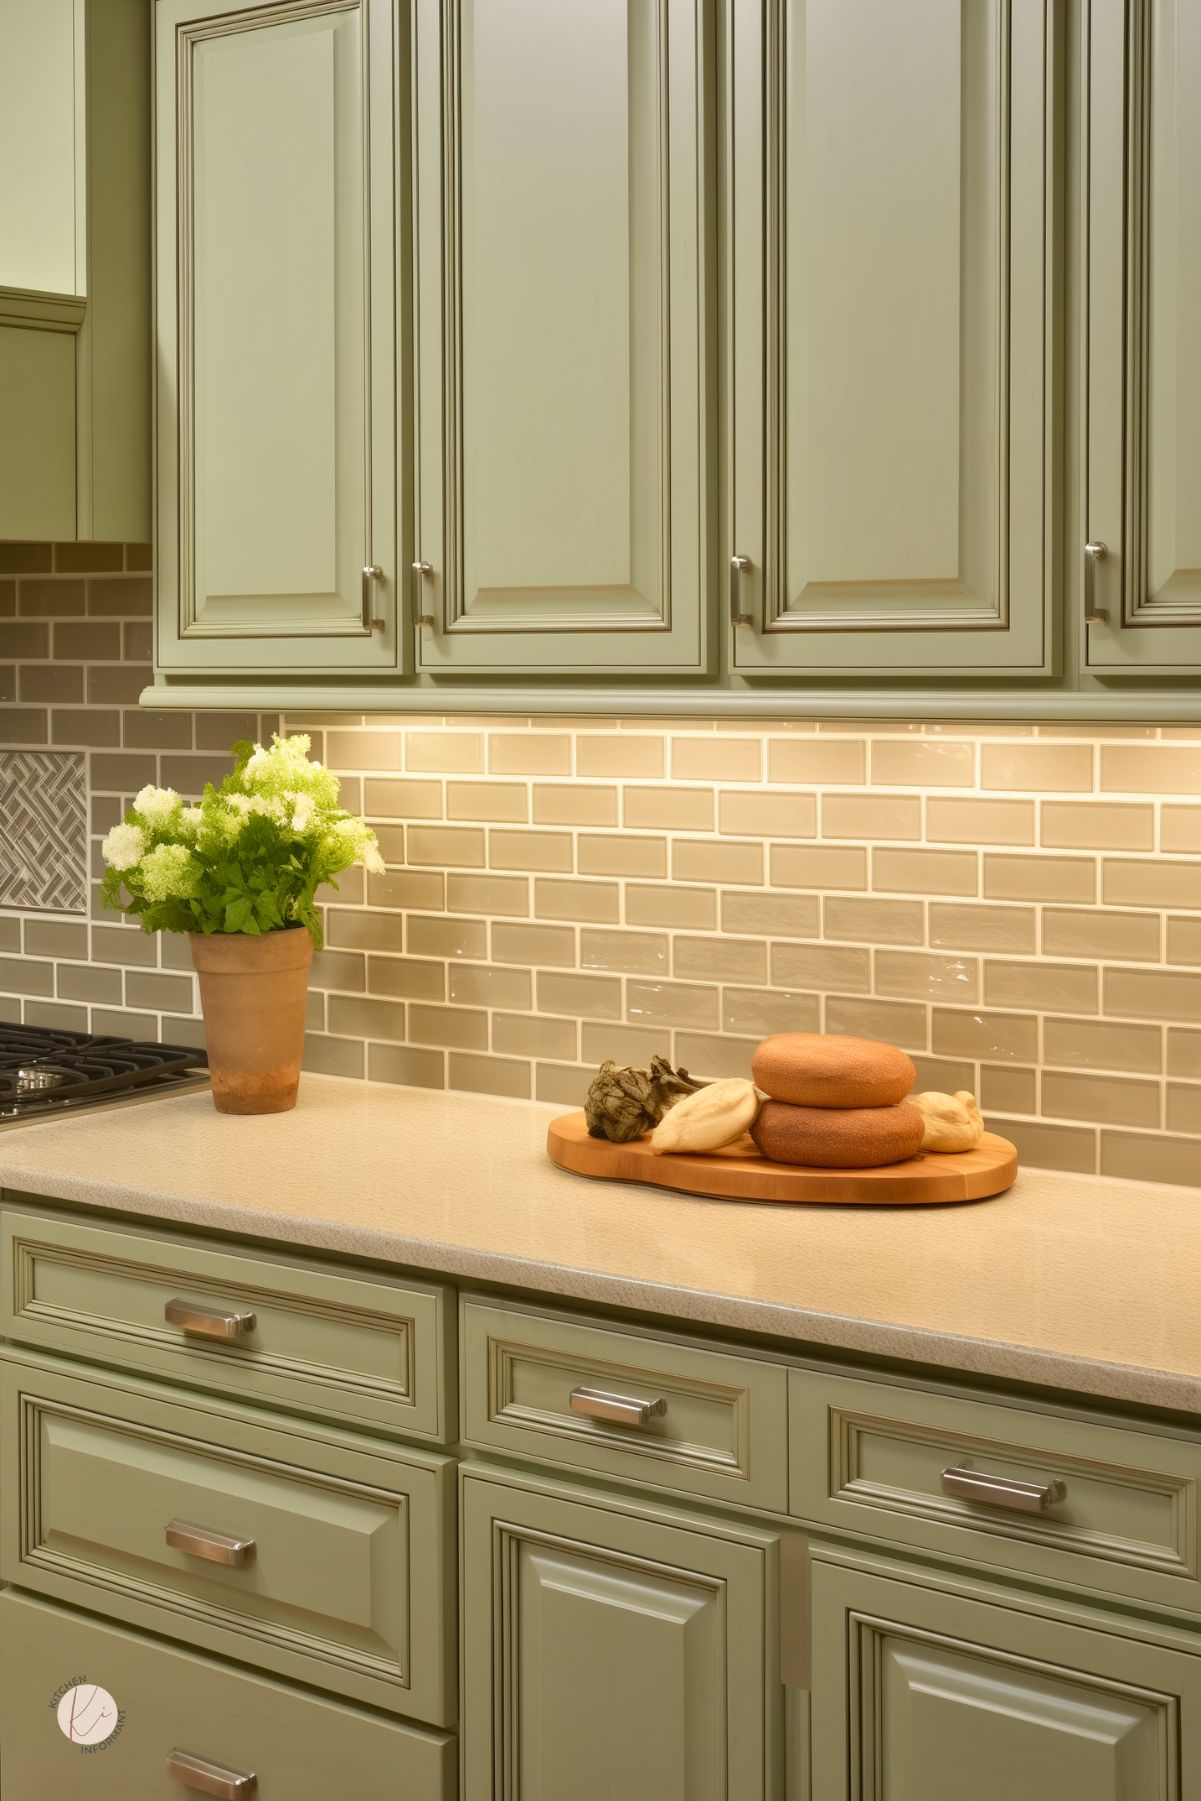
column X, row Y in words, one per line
column 43, row 830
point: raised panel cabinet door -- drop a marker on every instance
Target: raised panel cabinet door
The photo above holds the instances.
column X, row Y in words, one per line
column 609, row 1652
column 276, row 200
column 1144, row 346
column 562, row 335
column 921, row 1695
column 892, row 209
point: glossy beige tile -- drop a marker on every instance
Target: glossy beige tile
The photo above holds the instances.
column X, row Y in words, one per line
column 924, row 975
column 511, row 849
column 896, row 1022
column 1148, row 1157
column 670, row 809
column 870, row 921
column 1039, row 878
column 508, row 1076
column 499, row 802
column 1003, row 1088
column 775, row 915
column 816, row 762
column 580, row 996
column 1102, row 1044
column 552, row 947
column 621, row 853
column 955, row 821
column 1099, row 933
column 1040, row 767
column 441, row 753
column 760, row 1011
column 1122, row 1101
column 974, row 927
column 979, row 1033
column 1182, row 1108
column 573, row 803
column 671, row 1004
column 447, row 847
column 597, row 902
column 1151, row 768
column 633, row 953
column 717, row 860
column 819, row 866
column 718, row 759
column 751, row 812
column 432, row 935
column 720, row 959
column 670, row 904
column 925, row 871
column 1042, row 986
column 1152, row 882
column 1180, row 829
column 841, row 968
column 871, row 816
column 1184, row 1053
column 1050, row 1146
column 527, row 1035
column 483, row 985
column 922, row 763
column 1184, row 941
column 635, row 755
column 529, row 753
column 1150, row 994
column 1096, row 825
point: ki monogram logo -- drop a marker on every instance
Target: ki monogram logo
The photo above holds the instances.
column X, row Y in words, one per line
column 87, row 1714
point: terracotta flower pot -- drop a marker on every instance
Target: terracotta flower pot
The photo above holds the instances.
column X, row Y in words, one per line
column 253, row 993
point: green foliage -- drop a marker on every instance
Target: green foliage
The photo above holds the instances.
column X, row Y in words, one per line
column 249, row 858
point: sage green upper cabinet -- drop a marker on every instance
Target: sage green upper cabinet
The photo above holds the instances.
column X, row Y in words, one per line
column 1144, row 345
column 892, row 210
column 75, row 355
column 562, row 335
column 920, row 1695
column 613, row 1652
column 276, row 211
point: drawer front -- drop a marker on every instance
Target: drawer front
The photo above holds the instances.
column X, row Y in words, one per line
column 300, row 1747
column 364, row 1349
column 287, row 1547
column 1097, row 1506
column 697, row 1421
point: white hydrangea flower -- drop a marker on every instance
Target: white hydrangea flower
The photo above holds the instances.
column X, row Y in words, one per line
column 169, row 872
column 372, row 860
column 190, row 820
column 123, row 846
column 155, row 804
column 303, row 809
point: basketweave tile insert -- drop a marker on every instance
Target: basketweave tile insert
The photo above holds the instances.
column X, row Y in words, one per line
column 43, row 830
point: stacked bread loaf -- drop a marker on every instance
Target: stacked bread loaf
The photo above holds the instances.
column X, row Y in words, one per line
column 835, row 1102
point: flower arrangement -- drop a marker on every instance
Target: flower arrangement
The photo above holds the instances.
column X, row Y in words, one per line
column 249, row 858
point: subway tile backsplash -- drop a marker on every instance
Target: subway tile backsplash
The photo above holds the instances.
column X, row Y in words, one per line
column 1019, row 906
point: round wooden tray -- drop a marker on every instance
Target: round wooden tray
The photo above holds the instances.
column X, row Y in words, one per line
column 739, row 1173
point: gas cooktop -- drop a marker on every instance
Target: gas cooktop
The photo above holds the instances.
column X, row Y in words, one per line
column 45, row 1073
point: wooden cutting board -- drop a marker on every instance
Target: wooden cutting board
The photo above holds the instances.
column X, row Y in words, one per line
column 739, row 1173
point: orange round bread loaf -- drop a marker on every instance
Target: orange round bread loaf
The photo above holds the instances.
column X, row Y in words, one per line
column 838, row 1137
column 818, row 1069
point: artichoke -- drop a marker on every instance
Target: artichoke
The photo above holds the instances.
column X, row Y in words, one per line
column 622, row 1104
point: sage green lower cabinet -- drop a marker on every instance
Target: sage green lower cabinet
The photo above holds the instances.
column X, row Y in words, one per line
column 300, row 1747
column 118, row 1499
column 613, row 1651
column 922, row 1694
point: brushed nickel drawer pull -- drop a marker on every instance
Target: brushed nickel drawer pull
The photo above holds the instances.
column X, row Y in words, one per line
column 739, row 566
column 1094, row 552
column 624, row 1410
column 211, row 1778
column 209, row 1322
column 1002, row 1491
column 372, row 573
column 215, row 1547
column 421, row 572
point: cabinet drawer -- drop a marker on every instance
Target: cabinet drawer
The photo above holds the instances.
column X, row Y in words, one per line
column 541, row 1384
column 363, row 1348
column 300, row 1747
column 119, row 1501
column 869, row 1457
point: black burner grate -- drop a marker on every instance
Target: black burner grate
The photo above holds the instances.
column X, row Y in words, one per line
column 42, row 1070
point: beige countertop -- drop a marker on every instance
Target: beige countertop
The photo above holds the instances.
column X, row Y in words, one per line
column 1079, row 1282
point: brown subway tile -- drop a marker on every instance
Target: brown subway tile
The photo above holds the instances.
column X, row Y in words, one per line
column 621, row 754
column 359, row 1016
column 923, row 763
column 922, row 975
column 756, row 813
column 772, row 915
column 87, row 559
column 123, row 1023
column 1043, row 986
column 444, row 753
column 565, row 1084
column 218, row 731
column 1184, row 941
column 984, row 1035
column 529, row 753
column 1180, row 829
column 349, row 928
column 1184, row 1052
column 121, row 597
column 873, row 921
column 818, row 866
column 400, row 799
column 895, row 1022
column 925, row 871
column 327, row 1056
column 1040, row 767
column 490, row 802
column 189, row 773
column 526, row 1035
column 1151, row 995
column 89, row 982
column 534, row 945
column 25, row 725
column 1149, row 768
column 620, row 853
column 704, row 1055
column 715, row 860
column 406, row 1065
column 720, row 959
column 1039, row 878
column 20, row 975
column 671, row 809
column 156, row 731
column 434, row 935
column 1112, row 1100
column 23, row 641
column 1102, row 1044
column 1048, row 1146
column 113, row 685
column 1150, row 882
column 815, row 762
column 8, row 684
column 671, row 1004
column 89, row 641
column 1096, row 825
column 55, row 938
column 447, row 846
column 139, row 557
column 127, row 945
column 1004, row 1088
column 766, row 1010
column 716, row 759
column 839, row 968
column 972, row 927
column 50, row 682
column 574, row 803
column 57, row 1015
column 624, row 1043
column 405, row 978
column 581, row 996
column 1100, row 934
column 489, row 1075
column 395, row 889
column 344, row 970
column 632, row 953
column 481, row 985
column 24, row 559
column 598, row 903
column 88, row 727
column 954, row 821
column 51, row 599
column 145, row 988
column 871, row 816
column 1183, row 1108
column 364, row 750
column 508, row 895
column 1144, row 1157
column 137, row 643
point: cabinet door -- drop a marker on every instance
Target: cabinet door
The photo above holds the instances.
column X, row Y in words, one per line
column 893, row 201
column 562, row 334
column 276, row 355
column 608, row 1652
column 1144, row 301
column 920, row 1695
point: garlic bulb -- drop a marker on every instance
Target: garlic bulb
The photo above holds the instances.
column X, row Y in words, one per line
column 952, row 1121
column 710, row 1118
